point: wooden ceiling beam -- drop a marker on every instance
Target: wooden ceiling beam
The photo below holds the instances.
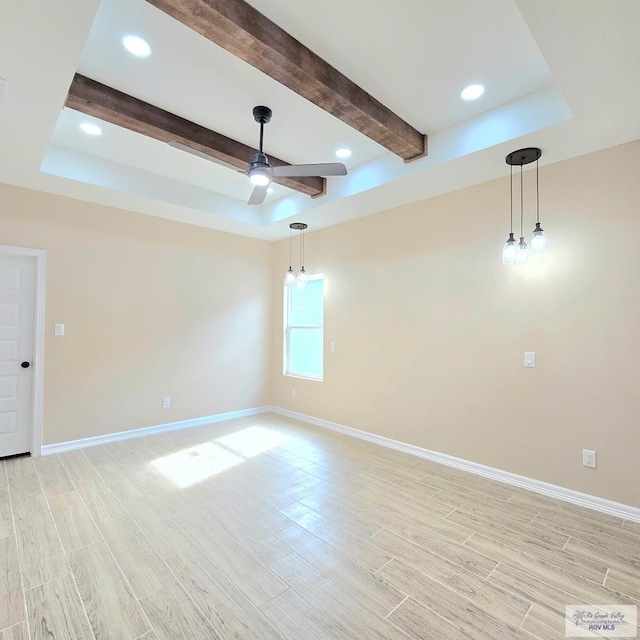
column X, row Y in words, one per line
column 103, row 102
column 246, row 33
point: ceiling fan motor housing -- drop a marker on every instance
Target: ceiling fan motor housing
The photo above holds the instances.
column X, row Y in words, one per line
column 259, row 160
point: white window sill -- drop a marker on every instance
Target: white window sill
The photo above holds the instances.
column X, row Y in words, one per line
column 302, row 376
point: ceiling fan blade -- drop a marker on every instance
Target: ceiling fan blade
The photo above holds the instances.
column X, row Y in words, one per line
column 258, row 195
column 322, row 169
column 201, row 154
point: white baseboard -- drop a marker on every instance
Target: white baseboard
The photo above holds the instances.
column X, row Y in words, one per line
column 59, row 447
column 554, row 491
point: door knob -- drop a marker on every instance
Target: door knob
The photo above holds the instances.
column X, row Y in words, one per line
column 24, row 365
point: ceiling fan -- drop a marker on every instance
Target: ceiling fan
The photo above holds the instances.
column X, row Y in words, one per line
column 260, row 172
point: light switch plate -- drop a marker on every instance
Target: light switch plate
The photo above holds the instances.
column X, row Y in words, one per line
column 58, row 330
column 166, row 402
column 530, row 359
column 332, row 346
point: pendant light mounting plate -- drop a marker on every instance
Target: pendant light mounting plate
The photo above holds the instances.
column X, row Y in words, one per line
column 523, row 156
column 298, row 226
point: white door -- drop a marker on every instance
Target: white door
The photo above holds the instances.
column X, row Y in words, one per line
column 17, row 278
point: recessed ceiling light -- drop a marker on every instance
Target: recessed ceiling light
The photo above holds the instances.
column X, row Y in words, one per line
column 91, row 129
column 136, row 46
column 472, row 92
column 270, row 190
column 343, row 153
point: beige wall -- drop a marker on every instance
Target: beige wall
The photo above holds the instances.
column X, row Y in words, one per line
column 152, row 308
column 431, row 327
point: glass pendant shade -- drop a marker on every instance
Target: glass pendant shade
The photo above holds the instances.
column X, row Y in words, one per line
column 539, row 241
column 302, row 277
column 522, row 253
column 509, row 250
column 290, row 276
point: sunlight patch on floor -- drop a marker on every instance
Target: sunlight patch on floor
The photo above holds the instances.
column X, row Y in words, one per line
column 195, row 464
column 253, row 440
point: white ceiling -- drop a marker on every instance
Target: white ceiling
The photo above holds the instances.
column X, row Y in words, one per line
column 560, row 74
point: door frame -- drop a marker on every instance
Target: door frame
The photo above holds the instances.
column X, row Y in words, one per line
column 39, row 257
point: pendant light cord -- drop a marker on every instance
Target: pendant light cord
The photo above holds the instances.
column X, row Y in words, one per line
column 301, row 236
column 521, row 206
column 290, row 236
column 302, row 259
column 511, row 193
column 537, row 195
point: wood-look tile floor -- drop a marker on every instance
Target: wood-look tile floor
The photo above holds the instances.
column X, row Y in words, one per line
column 265, row 529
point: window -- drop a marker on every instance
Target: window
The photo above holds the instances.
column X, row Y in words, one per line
column 303, row 329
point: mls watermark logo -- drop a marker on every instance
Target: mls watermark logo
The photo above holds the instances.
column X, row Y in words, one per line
column 601, row 621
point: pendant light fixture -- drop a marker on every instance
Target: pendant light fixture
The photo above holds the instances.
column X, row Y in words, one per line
column 302, row 276
column 539, row 242
column 513, row 253
column 290, row 277
column 509, row 250
column 301, row 279
column 522, row 254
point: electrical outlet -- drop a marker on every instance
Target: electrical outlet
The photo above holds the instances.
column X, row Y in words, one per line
column 293, row 392
column 588, row 458
column 166, row 402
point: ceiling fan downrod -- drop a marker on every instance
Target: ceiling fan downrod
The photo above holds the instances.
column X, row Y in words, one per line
column 262, row 116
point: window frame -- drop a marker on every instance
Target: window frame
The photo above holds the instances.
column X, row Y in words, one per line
column 287, row 328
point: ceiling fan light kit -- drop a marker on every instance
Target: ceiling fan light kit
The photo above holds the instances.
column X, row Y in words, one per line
column 519, row 253
column 259, row 176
